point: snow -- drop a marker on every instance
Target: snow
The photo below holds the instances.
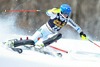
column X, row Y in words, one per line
column 81, row 54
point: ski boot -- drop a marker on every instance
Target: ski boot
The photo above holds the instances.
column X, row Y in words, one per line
column 39, row 46
column 10, row 43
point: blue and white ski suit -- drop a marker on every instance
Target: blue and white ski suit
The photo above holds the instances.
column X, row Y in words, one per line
column 54, row 24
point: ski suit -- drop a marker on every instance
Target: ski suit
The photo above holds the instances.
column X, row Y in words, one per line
column 54, row 24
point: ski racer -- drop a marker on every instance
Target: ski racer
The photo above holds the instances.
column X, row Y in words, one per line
column 59, row 17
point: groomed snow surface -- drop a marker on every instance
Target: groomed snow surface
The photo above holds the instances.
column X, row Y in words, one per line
column 80, row 54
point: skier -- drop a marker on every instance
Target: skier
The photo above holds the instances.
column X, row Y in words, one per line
column 59, row 17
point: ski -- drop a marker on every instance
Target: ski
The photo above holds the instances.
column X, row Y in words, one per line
column 19, row 50
column 44, row 50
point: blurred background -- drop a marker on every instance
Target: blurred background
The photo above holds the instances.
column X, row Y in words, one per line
column 86, row 13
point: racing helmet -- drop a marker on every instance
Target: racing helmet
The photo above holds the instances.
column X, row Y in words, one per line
column 65, row 9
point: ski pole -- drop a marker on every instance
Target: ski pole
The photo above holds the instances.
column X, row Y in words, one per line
column 59, row 49
column 22, row 10
column 87, row 38
column 94, row 43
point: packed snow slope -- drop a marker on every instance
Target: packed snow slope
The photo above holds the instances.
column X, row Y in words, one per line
column 80, row 54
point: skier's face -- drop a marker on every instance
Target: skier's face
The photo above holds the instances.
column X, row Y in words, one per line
column 65, row 15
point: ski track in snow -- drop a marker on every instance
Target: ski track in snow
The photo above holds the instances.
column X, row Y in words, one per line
column 80, row 54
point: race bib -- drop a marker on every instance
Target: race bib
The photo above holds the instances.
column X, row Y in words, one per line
column 59, row 23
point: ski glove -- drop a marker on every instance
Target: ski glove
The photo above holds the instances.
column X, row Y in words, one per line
column 83, row 36
column 55, row 10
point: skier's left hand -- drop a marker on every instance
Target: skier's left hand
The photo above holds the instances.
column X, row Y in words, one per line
column 83, row 36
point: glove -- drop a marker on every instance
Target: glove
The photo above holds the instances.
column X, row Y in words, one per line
column 55, row 10
column 83, row 36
